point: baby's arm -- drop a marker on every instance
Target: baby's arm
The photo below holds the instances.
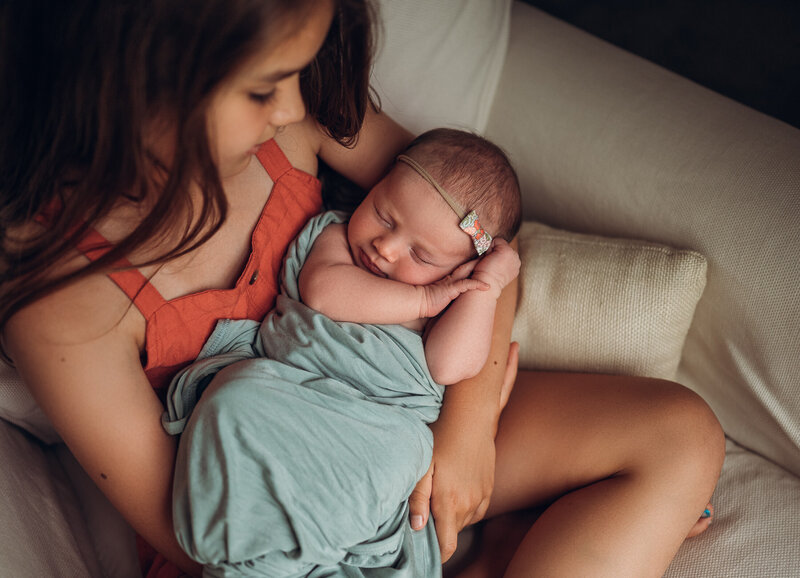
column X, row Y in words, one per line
column 458, row 343
column 331, row 283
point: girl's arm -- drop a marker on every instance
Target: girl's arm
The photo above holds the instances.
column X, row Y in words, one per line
column 78, row 352
column 458, row 342
column 333, row 285
column 458, row 486
column 381, row 139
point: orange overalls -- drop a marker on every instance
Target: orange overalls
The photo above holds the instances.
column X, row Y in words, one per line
column 178, row 328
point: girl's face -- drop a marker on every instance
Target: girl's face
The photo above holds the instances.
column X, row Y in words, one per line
column 264, row 94
column 405, row 231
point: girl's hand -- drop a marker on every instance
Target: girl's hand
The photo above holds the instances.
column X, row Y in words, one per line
column 438, row 295
column 458, row 485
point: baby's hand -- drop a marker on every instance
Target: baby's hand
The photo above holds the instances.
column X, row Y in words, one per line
column 438, row 295
column 498, row 266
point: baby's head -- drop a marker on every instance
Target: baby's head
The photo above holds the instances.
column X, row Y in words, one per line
column 476, row 173
column 410, row 229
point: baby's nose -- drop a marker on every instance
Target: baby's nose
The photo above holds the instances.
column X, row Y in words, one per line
column 386, row 248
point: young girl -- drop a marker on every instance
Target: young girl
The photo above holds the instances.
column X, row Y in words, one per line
column 134, row 214
column 302, row 452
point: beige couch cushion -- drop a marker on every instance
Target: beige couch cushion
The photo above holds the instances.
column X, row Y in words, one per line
column 597, row 304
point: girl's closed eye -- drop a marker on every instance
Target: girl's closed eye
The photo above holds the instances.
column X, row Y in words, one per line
column 262, row 98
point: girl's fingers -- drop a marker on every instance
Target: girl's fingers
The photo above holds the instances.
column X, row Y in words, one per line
column 447, row 533
column 419, row 502
column 469, row 284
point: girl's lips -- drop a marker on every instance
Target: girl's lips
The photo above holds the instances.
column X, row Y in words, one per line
column 370, row 265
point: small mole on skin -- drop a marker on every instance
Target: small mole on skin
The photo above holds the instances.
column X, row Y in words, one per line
column 63, row 359
column 495, row 363
column 102, row 475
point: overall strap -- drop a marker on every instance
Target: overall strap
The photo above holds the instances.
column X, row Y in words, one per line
column 273, row 160
column 135, row 285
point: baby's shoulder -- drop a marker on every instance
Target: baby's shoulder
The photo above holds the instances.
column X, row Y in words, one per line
column 334, row 234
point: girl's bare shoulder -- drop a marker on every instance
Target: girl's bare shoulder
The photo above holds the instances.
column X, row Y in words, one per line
column 86, row 313
column 301, row 143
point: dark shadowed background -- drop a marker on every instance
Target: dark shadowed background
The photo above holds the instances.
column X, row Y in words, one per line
column 746, row 50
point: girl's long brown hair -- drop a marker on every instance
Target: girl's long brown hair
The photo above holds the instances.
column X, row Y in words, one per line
column 78, row 82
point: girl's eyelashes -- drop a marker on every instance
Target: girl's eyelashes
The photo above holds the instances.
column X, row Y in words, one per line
column 262, row 98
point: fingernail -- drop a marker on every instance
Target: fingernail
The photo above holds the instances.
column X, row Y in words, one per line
column 706, row 513
column 416, row 522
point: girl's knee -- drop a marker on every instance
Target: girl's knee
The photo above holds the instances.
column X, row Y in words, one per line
column 690, row 431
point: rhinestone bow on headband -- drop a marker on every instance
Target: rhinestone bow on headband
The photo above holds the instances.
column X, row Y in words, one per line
column 469, row 220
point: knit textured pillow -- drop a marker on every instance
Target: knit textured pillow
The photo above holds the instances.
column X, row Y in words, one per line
column 603, row 305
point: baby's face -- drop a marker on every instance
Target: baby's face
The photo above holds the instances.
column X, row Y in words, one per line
column 405, row 231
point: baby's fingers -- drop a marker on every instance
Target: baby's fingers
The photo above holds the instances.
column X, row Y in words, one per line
column 465, row 270
column 499, row 244
column 465, row 285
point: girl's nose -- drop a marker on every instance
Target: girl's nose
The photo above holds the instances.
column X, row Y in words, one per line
column 290, row 107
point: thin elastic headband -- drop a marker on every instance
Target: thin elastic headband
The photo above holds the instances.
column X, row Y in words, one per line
column 469, row 220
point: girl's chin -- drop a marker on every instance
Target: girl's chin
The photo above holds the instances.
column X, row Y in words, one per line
column 231, row 169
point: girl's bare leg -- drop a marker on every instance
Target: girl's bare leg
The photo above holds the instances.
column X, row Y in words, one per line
column 627, row 465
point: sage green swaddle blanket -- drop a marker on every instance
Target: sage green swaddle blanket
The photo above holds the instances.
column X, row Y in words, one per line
column 309, row 437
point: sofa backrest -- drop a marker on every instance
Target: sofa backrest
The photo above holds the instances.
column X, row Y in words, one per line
column 608, row 143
